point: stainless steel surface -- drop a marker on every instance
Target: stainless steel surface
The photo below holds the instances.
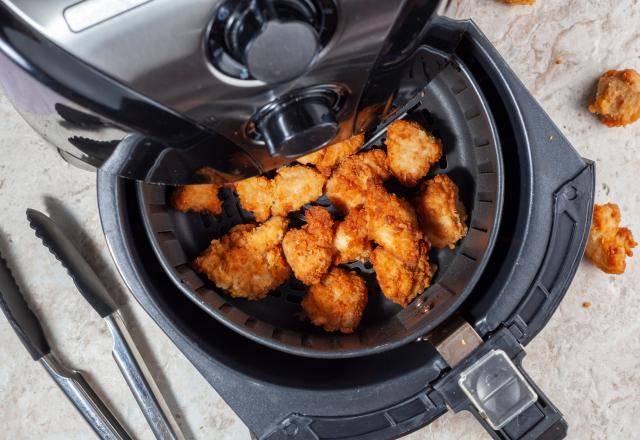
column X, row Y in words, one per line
column 140, row 382
column 158, row 49
column 92, row 408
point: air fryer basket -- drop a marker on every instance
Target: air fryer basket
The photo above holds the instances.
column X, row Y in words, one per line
column 453, row 108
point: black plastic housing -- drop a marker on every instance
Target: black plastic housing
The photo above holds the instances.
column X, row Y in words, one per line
column 545, row 223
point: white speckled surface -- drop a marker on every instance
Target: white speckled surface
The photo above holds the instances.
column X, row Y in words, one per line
column 586, row 360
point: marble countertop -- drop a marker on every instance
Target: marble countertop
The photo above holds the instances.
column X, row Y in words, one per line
column 587, row 360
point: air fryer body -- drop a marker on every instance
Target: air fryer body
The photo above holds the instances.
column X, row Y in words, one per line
column 177, row 92
column 387, row 395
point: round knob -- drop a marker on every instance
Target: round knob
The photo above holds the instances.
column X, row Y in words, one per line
column 272, row 48
column 282, row 51
column 297, row 127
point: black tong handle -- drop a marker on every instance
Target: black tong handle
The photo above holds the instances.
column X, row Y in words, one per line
column 24, row 322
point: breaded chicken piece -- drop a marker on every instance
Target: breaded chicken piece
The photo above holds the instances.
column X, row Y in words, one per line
column 311, row 158
column 442, row 215
column 348, row 186
column 328, row 158
column 393, row 224
column 294, row 187
column 248, row 262
column 351, row 242
column 411, row 151
column 618, row 98
column 309, row 250
column 520, row 2
column 397, row 281
column 337, row 302
column 256, row 196
column 198, row 198
column 609, row 245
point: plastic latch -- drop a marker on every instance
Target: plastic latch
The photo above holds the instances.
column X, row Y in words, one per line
column 497, row 389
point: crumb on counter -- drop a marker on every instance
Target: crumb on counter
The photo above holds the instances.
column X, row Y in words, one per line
column 586, row 304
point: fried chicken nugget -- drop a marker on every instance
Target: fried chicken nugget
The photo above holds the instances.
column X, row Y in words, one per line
column 256, row 196
column 411, row 151
column 309, row 250
column 393, row 224
column 398, row 282
column 198, row 198
column 328, row 158
column 618, row 98
column 294, row 187
column 348, row 186
column 609, row 245
column 351, row 242
column 248, row 262
column 337, row 302
column 442, row 215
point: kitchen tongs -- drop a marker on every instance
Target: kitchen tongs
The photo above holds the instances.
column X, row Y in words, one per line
column 125, row 353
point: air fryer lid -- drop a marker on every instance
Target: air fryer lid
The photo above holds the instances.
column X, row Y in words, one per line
column 454, row 109
column 221, row 91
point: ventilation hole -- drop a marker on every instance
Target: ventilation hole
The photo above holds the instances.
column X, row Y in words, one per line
column 277, row 334
column 458, row 87
column 478, row 228
column 485, row 197
column 166, row 236
column 294, row 299
column 486, row 168
column 157, row 209
column 297, row 286
column 225, row 308
column 251, row 323
column 469, row 256
column 447, row 288
column 443, row 162
column 471, row 114
column 368, row 265
column 306, row 341
column 480, row 143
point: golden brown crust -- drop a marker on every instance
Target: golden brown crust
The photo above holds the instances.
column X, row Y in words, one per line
column 617, row 100
column 348, row 186
column 309, row 250
column 393, row 224
column 256, row 196
column 609, row 245
column 337, row 302
column 398, row 282
column 197, row 198
column 328, row 158
column 351, row 242
column 411, row 151
column 294, row 187
column 442, row 215
column 248, row 262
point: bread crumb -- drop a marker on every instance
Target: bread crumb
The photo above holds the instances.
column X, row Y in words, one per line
column 586, row 304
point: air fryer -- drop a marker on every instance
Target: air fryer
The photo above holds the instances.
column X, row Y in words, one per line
column 213, row 105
